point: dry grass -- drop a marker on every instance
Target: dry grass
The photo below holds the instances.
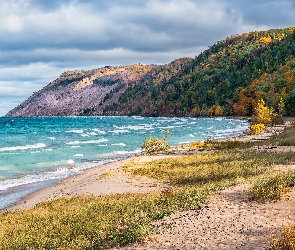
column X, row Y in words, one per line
column 286, row 241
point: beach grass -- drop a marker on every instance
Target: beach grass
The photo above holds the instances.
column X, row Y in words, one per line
column 100, row 222
column 272, row 187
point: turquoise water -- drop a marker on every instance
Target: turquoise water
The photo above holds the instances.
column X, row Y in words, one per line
column 36, row 151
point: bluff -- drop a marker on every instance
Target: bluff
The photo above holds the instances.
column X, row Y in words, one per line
column 226, row 79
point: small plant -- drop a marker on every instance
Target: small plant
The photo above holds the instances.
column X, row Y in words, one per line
column 286, row 240
column 272, row 188
column 152, row 146
column 257, row 128
column 198, row 145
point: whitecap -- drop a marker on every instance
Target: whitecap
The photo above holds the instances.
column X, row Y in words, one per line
column 119, row 144
column 77, row 131
column 87, row 142
column 34, row 146
column 78, row 155
column 98, row 131
column 52, row 138
column 118, row 131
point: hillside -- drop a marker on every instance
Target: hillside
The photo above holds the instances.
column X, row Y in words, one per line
column 226, row 79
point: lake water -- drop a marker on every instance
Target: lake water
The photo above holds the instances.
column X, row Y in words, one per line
column 36, row 151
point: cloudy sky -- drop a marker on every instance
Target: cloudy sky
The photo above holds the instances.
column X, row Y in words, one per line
column 41, row 39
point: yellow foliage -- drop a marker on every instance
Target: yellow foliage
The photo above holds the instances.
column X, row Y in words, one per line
column 265, row 39
column 218, row 110
column 152, row 146
column 257, row 128
column 263, row 114
column 198, row 145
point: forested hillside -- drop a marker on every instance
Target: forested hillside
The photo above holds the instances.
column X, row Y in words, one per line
column 227, row 79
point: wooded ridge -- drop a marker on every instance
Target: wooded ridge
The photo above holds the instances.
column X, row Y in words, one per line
column 226, row 79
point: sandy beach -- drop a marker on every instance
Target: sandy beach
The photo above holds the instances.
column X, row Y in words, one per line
column 227, row 221
column 100, row 180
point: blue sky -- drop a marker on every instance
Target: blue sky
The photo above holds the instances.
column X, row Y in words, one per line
column 41, row 39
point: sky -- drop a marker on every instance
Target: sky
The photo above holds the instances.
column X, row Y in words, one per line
column 39, row 40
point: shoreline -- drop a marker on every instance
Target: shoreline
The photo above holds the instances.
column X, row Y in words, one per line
column 99, row 180
column 111, row 179
column 28, row 195
column 16, row 189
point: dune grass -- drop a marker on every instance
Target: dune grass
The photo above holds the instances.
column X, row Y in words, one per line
column 100, row 222
column 272, row 187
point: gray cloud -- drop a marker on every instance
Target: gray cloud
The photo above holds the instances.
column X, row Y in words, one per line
column 41, row 39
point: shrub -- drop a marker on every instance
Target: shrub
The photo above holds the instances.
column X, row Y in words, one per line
column 257, row 128
column 152, row 146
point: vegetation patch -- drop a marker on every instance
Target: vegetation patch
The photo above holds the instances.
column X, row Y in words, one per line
column 272, row 188
column 153, row 146
column 286, row 241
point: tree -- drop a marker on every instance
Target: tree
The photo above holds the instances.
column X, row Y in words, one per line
column 263, row 114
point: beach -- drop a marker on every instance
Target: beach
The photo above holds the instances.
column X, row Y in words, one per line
column 227, row 221
column 100, row 180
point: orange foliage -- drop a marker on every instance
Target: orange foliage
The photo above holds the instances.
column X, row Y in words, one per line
column 265, row 39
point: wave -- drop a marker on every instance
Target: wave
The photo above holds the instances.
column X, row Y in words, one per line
column 119, row 144
column 98, row 131
column 76, row 131
column 118, row 131
column 34, row 146
column 87, row 142
column 59, row 173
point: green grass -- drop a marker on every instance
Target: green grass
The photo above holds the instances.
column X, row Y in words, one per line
column 91, row 222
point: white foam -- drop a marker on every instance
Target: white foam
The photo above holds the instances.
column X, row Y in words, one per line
column 34, row 146
column 78, row 155
column 91, row 133
column 52, row 138
column 59, row 173
column 88, row 134
column 87, row 142
column 135, row 127
column 119, row 144
column 70, row 161
column 118, row 131
column 35, row 152
column 98, row 131
column 77, row 131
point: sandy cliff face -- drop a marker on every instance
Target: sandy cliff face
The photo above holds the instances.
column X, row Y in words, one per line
column 82, row 92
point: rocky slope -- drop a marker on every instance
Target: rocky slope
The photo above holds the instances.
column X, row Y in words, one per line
column 88, row 92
